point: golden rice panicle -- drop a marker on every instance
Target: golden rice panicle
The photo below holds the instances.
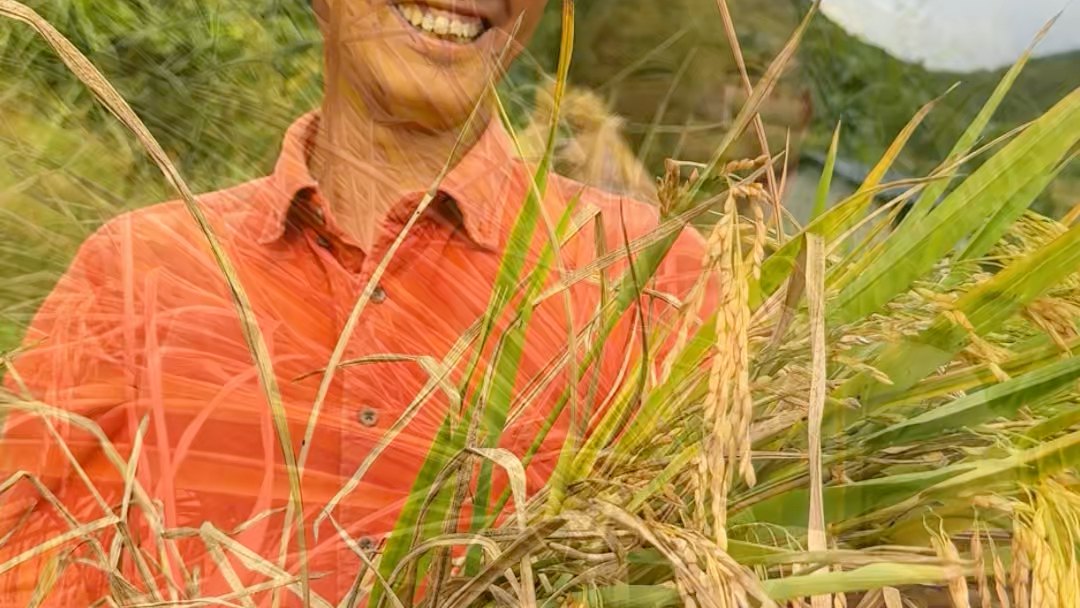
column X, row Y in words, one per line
column 981, row 582
column 946, row 550
column 1055, row 522
column 1000, row 580
column 728, row 405
column 1068, row 514
column 695, row 299
column 1043, row 578
column 1020, row 569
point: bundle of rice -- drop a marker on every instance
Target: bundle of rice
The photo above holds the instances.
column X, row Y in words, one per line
column 880, row 411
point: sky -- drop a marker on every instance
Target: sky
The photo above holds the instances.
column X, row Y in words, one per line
column 959, row 35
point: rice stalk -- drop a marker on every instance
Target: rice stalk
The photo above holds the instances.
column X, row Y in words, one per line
column 759, row 125
column 815, row 293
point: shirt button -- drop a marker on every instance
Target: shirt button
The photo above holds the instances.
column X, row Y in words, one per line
column 369, row 416
column 323, row 241
column 366, row 543
column 318, row 213
column 378, row 296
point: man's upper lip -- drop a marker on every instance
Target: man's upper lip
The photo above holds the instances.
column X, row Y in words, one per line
column 470, row 9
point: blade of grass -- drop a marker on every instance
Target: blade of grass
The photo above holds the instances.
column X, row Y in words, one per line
column 403, row 536
column 875, row 576
column 516, row 473
column 834, row 222
column 568, row 457
column 254, row 562
column 821, row 199
column 505, row 364
column 775, row 190
column 985, row 307
column 844, row 502
column 438, row 375
column 516, row 552
column 643, row 269
column 753, row 103
column 911, row 253
column 971, row 135
column 83, row 531
column 504, row 377
column 1057, row 424
column 521, row 234
column 661, row 109
column 978, row 376
column 982, row 477
column 866, row 578
column 1001, row 400
column 998, row 224
column 883, row 499
column 368, row 566
column 372, row 284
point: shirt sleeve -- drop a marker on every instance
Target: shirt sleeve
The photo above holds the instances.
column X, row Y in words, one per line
column 73, row 359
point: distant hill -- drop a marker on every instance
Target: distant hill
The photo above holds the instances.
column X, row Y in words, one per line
column 875, row 94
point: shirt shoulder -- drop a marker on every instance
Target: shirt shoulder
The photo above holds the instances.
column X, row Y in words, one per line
column 163, row 231
column 225, row 208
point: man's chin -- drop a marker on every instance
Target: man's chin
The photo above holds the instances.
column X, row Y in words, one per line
column 431, row 112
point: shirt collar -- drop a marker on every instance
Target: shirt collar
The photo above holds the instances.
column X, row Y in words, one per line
column 480, row 183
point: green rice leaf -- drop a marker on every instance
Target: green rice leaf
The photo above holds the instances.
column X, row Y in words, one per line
column 845, row 502
column 866, row 578
column 972, row 378
column 836, row 221
column 997, row 225
column 911, row 253
column 403, row 537
column 825, row 185
column 885, row 498
column 1058, row 424
column 970, row 136
column 1023, row 468
column 986, row 308
column 1002, row 400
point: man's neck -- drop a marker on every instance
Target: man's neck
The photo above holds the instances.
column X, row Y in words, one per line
column 365, row 164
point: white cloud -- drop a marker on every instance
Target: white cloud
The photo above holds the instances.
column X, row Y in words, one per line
column 958, row 35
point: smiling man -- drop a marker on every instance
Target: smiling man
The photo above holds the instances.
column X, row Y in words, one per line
column 139, row 344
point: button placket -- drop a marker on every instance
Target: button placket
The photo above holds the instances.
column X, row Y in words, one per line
column 366, row 414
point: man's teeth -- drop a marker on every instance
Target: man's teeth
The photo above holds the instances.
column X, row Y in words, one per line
column 442, row 23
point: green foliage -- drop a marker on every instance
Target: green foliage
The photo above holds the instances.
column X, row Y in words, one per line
column 214, row 81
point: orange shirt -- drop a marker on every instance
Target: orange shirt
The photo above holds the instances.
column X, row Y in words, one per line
column 143, row 327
